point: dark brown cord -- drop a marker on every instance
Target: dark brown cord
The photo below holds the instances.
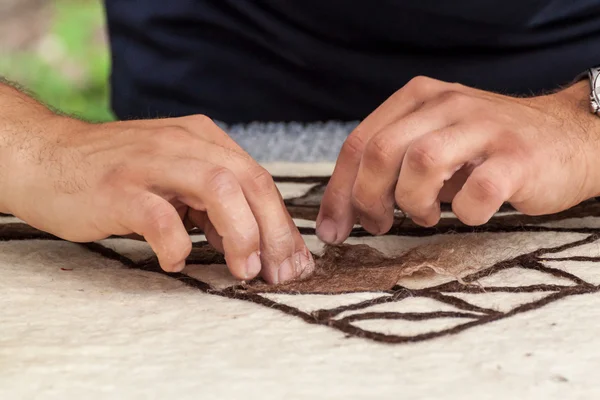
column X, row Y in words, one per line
column 354, row 312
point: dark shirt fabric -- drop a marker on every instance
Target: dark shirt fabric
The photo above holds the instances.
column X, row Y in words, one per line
column 314, row 60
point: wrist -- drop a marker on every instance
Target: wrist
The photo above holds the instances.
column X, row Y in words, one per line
column 577, row 98
column 26, row 151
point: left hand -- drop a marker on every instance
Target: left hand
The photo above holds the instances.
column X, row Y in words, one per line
column 434, row 141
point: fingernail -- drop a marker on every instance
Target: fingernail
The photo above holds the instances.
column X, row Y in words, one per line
column 286, row 271
column 305, row 262
column 327, row 231
column 253, row 265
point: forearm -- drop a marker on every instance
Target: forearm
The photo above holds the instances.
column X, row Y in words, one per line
column 24, row 125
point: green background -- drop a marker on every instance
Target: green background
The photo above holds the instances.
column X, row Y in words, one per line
column 75, row 79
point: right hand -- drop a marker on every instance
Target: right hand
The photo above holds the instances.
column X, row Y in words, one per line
column 84, row 182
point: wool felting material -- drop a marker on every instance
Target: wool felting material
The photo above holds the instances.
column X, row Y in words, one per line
column 361, row 268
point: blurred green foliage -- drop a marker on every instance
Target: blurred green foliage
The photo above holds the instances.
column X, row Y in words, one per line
column 70, row 70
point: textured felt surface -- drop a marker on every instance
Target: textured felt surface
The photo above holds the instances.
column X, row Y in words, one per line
column 101, row 320
column 291, row 141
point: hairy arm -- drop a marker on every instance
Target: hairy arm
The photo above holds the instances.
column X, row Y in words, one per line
column 155, row 178
column 23, row 123
column 435, row 141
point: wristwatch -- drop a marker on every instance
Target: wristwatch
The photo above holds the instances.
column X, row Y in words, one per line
column 594, row 77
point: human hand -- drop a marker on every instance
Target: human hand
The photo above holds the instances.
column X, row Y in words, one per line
column 434, row 141
column 85, row 182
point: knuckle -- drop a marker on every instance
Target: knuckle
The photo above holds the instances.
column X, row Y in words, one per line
column 260, row 181
column 421, row 84
column 200, row 120
column 204, row 118
column 483, row 189
column 424, row 156
column 420, row 81
column 354, row 146
column 221, row 182
column 456, row 99
column 379, row 153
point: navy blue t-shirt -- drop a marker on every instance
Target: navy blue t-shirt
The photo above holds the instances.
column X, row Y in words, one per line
column 310, row 60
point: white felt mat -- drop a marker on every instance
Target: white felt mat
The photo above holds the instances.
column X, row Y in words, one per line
column 97, row 321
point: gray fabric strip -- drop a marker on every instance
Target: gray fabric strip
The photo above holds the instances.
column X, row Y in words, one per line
column 291, row 141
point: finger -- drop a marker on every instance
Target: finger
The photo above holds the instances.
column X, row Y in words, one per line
column 154, row 218
column 200, row 219
column 453, row 185
column 278, row 246
column 432, row 160
column 373, row 191
column 283, row 251
column 216, row 190
column 303, row 260
column 489, row 186
column 336, row 216
column 181, row 211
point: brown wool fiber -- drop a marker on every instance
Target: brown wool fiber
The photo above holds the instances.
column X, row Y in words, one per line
column 357, row 268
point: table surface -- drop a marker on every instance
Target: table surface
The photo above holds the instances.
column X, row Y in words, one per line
column 100, row 320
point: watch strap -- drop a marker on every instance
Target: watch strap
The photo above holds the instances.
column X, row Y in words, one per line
column 594, row 77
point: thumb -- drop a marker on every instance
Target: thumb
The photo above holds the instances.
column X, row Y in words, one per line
column 159, row 223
